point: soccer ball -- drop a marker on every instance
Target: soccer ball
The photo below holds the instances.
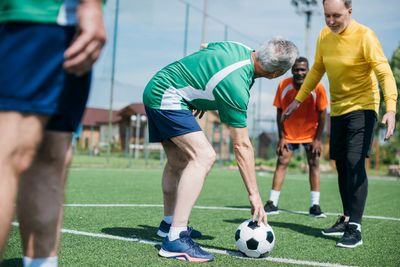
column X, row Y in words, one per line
column 254, row 241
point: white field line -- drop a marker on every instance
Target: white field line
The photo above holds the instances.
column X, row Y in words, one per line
column 215, row 208
column 330, row 175
column 223, row 252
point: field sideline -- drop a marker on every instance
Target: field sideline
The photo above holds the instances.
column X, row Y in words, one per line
column 107, row 209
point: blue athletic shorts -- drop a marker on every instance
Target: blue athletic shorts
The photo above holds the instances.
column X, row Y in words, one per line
column 164, row 124
column 296, row 146
column 32, row 79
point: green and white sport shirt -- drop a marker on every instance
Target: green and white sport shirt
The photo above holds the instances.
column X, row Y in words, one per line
column 61, row 12
column 218, row 77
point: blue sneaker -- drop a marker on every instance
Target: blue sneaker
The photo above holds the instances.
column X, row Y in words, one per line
column 163, row 230
column 184, row 248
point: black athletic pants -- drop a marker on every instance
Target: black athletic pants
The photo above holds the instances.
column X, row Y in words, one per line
column 350, row 143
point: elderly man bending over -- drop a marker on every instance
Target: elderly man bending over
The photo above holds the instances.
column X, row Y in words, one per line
column 218, row 77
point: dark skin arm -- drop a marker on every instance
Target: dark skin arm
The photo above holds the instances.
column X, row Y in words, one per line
column 315, row 145
column 282, row 142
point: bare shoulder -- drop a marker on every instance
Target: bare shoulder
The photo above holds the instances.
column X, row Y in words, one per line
column 203, row 45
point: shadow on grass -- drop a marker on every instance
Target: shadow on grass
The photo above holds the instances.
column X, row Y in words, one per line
column 239, row 207
column 236, row 221
column 149, row 233
column 146, row 232
column 16, row 262
column 302, row 229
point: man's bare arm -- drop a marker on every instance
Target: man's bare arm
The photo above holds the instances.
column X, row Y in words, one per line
column 245, row 159
column 390, row 119
column 290, row 109
column 89, row 39
column 321, row 124
column 316, row 143
column 279, row 122
column 281, row 130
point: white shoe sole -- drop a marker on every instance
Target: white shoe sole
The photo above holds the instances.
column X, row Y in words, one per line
column 165, row 254
column 334, row 233
column 322, row 215
column 349, row 246
column 180, row 256
column 161, row 233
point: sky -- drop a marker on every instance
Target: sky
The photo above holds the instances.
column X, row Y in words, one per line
column 150, row 35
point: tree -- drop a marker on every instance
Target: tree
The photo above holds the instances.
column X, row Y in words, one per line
column 305, row 2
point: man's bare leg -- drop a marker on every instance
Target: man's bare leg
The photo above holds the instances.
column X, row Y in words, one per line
column 20, row 135
column 195, row 152
column 280, row 172
column 201, row 157
column 315, row 176
column 41, row 196
column 315, row 180
column 177, row 161
column 284, row 156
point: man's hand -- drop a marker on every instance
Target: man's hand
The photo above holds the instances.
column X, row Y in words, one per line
column 281, row 146
column 389, row 118
column 315, row 148
column 257, row 209
column 89, row 39
column 289, row 110
column 197, row 112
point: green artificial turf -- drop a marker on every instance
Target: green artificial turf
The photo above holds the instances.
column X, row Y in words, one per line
column 298, row 236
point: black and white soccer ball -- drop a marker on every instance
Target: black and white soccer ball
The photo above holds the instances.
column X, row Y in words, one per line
column 254, row 241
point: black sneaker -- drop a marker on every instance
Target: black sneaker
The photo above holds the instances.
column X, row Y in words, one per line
column 164, row 227
column 338, row 228
column 351, row 237
column 270, row 208
column 315, row 211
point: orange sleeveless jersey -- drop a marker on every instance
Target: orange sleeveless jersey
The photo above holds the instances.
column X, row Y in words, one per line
column 302, row 124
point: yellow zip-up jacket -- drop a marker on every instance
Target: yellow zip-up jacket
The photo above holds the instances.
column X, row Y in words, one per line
column 350, row 60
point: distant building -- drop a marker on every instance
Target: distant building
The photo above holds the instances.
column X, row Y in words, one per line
column 95, row 126
column 127, row 133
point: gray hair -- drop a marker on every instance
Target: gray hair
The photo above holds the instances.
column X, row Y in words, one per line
column 277, row 53
column 347, row 3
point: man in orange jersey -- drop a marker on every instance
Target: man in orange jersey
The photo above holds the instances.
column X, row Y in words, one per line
column 353, row 59
column 304, row 127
